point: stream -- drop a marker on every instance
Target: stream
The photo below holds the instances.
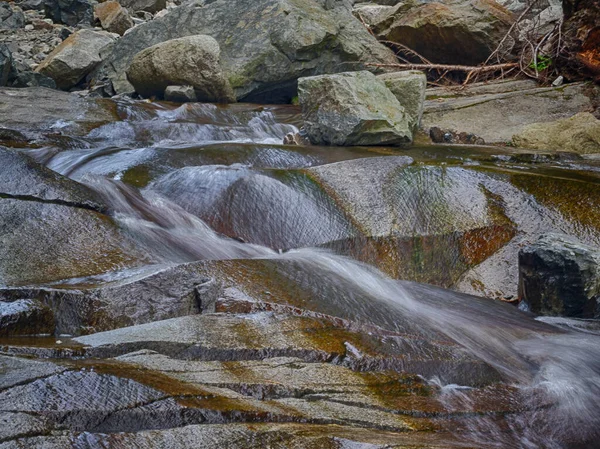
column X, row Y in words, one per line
column 201, row 182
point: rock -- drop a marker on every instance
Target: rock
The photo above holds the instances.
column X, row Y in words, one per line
column 16, row 371
column 38, row 112
column 353, row 108
column 180, row 94
column 25, row 317
column 77, row 56
column 5, row 64
column 372, row 13
column 447, row 32
column 70, row 12
column 577, row 134
column 496, row 111
column 28, row 78
column 51, row 227
column 560, row 276
column 152, row 6
column 298, row 138
column 11, row 17
column 409, row 88
column 266, row 45
column 192, row 60
column 113, row 17
column 438, row 135
column 32, row 5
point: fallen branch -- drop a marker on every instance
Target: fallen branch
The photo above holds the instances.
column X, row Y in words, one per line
column 448, row 67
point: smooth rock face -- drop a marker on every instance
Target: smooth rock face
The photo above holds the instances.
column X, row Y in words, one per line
column 497, row 111
column 152, row 6
column 69, row 12
column 11, row 17
column 192, row 60
column 409, row 88
column 449, row 32
column 353, row 108
column 51, row 227
column 72, row 60
column 266, row 45
column 577, row 134
column 113, row 17
column 180, row 94
column 560, row 276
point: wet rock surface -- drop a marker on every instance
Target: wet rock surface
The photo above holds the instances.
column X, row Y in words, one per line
column 558, row 275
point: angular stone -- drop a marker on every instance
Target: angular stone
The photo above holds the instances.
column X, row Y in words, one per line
column 192, row 60
column 70, row 12
column 266, row 45
column 5, row 64
column 77, row 56
column 113, row 17
column 180, row 94
column 11, row 17
column 18, row 371
column 409, row 88
column 578, row 134
column 152, row 6
column 558, row 275
column 353, row 108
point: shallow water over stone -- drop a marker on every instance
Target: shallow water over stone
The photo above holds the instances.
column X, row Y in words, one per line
column 252, row 256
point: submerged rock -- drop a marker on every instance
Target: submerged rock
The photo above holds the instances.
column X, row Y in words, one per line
column 577, row 134
column 266, row 45
column 560, row 276
column 192, row 60
column 353, row 108
column 77, row 56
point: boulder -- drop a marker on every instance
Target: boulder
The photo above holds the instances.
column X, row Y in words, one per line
column 113, row 17
column 11, row 17
column 266, row 45
column 577, row 134
column 32, row 5
column 558, row 275
column 352, row 108
column 77, row 56
column 192, row 60
column 180, row 94
column 152, row 6
column 5, row 64
column 70, row 12
column 448, row 32
column 409, row 88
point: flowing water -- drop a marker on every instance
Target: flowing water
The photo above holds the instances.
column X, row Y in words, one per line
column 184, row 182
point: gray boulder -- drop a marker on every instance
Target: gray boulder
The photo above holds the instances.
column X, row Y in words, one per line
column 5, row 64
column 70, row 12
column 180, row 94
column 11, row 17
column 266, row 45
column 152, row 6
column 558, row 275
column 25, row 317
column 353, row 108
column 77, row 56
column 409, row 88
column 192, row 60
